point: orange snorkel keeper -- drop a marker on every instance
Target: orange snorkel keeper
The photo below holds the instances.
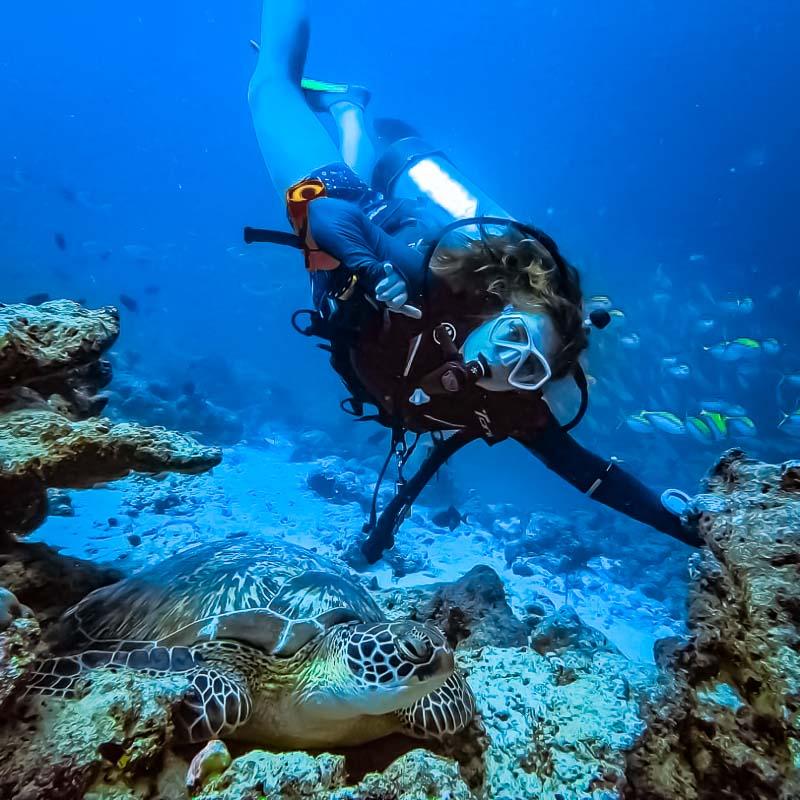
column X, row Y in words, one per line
column 297, row 199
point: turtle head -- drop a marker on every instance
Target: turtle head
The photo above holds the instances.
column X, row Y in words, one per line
column 377, row 668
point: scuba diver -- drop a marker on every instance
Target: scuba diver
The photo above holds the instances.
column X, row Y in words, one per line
column 439, row 309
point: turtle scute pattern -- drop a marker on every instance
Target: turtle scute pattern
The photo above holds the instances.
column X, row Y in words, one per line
column 382, row 653
column 192, row 614
column 286, row 580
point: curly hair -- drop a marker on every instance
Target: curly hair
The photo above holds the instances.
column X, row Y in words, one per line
column 524, row 271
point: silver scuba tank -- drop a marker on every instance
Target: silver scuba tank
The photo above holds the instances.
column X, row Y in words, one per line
column 412, row 169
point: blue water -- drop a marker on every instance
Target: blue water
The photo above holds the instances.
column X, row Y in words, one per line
column 655, row 142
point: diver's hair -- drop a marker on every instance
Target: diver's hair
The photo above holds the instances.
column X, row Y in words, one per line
column 525, row 271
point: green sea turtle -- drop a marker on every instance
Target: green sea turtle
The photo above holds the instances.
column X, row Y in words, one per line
column 280, row 646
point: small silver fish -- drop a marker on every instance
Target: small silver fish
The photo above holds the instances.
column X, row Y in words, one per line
column 680, row 371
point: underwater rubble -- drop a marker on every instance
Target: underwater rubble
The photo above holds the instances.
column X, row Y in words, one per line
column 726, row 723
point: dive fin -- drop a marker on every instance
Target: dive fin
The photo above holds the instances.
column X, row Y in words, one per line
column 321, row 95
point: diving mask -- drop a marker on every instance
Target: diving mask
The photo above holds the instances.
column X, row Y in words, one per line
column 514, row 345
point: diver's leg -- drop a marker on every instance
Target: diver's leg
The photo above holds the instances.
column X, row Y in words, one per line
column 355, row 143
column 605, row 481
column 293, row 141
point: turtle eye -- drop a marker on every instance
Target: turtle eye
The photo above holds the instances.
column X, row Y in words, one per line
column 416, row 649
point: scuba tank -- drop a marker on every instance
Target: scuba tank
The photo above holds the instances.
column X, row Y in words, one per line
column 412, row 169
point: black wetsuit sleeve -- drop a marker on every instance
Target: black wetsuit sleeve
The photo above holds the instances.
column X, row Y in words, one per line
column 343, row 231
column 605, row 481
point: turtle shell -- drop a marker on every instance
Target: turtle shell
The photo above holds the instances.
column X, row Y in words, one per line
column 266, row 593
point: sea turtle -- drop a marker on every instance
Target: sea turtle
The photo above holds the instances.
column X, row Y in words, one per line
column 281, row 646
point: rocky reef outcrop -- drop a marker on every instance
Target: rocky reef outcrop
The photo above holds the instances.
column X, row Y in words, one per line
column 557, row 704
column 44, row 580
column 726, row 724
column 111, row 741
column 180, row 407
column 418, row 775
column 19, row 637
column 51, row 374
column 472, row 611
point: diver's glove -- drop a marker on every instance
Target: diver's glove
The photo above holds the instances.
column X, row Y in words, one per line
column 393, row 291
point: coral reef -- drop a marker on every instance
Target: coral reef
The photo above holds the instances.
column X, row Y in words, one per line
column 54, row 347
column 19, row 636
column 114, row 741
column 417, row 775
column 472, row 611
column 551, row 722
column 114, row 735
column 727, row 724
column 335, row 482
column 558, row 725
column 50, row 374
column 555, row 718
column 563, row 630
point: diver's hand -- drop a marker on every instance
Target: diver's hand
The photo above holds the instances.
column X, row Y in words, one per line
column 392, row 291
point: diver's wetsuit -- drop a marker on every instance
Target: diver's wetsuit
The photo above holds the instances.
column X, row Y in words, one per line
column 345, row 224
column 605, row 481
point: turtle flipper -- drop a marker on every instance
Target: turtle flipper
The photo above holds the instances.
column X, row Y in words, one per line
column 57, row 677
column 65, row 676
column 441, row 713
column 213, row 707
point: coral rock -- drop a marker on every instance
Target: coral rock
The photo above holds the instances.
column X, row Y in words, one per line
column 551, row 737
column 39, row 341
column 563, row 630
column 472, row 611
column 726, row 725
column 49, row 375
column 418, row 775
column 76, row 455
column 40, row 448
column 277, row 775
column 115, row 734
column 210, row 762
column 19, row 636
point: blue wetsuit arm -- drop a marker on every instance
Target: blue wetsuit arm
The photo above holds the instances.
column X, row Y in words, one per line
column 343, row 231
